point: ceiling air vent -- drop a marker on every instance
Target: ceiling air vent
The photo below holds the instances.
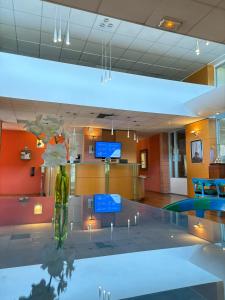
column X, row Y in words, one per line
column 103, row 116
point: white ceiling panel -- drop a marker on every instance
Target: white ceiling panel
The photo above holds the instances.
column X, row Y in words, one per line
column 6, row 16
column 33, row 7
column 7, row 31
column 27, row 20
column 6, row 4
column 28, row 35
column 131, row 43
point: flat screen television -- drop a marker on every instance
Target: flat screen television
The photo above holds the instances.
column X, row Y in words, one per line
column 107, row 203
column 107, row 150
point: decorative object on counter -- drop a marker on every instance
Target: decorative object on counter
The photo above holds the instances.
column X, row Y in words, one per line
column 50, row 131
column 144, row 159
column 25, row 154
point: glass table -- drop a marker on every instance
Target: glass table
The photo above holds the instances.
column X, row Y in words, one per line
column 111, row 248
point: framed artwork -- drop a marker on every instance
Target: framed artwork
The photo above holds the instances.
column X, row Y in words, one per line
column 196, row 152
column 144, row 159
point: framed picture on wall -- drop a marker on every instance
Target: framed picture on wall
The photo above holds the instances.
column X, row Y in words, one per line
column 196, row 152
column 144, row 159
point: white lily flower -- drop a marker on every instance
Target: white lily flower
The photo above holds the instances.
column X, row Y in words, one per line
column 55, row 155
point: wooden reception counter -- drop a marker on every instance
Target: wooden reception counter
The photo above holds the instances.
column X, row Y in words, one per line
column 89, row 178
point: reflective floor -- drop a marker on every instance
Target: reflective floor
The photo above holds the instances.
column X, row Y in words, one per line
column 96, row 233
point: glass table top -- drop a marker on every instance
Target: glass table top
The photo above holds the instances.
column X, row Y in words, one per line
column 98, row 230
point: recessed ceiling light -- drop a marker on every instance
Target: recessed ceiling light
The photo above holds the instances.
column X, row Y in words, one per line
column 217, row 113
column 207, row 43
column 170, row 23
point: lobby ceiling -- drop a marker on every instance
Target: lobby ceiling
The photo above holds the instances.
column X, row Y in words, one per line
column 13, row 112
column 204, row 19
column 26, row 28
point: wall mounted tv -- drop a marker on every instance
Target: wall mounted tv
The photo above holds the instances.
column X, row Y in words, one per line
column 107, row 150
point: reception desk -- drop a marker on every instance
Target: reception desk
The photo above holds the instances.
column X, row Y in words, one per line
column 89, row 178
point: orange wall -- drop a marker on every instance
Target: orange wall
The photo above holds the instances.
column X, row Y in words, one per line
column 207, row 134
column 152, row 144
column 203, row 76
column 15, row 173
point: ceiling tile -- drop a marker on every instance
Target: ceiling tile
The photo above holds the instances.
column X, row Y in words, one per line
column 6, row 16
column 130, row 10
column 126, row 64
column 8, row 44
column 176, row 52
column 216, row 19
column 106, row 24
column 95, row 48
column 94, row 59
column 166, row 61
column 117, row 51
column 33, row 6
column 66, row 53
column 122, row 41
column 51, row 10
column 159, row 48
column 48, row 25
column 6, row 4
column 69, row 61
column 132, row 55
column 149, row 58
column 169, row 38
column 47, row 38
column 82, row 18
column 28, row 48
column 188, row 11
column 27, row 20
column 100, row 36
column 75, row 44
column 150, row 34
column 129, row 29
column 7, row 31
column 140, row 45
column 49, row 52
column 28, row 35
column 79, row 32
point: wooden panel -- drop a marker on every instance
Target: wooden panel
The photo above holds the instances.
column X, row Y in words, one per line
column 217, row 171
column 122, row 186
column 203, row 76
column 89, row 186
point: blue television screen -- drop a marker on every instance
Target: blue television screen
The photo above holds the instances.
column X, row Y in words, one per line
column 107, row 203
column 107, row 150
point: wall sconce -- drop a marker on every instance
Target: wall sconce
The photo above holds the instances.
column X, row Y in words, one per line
column 40, row 143
column 198, row 225
column 38, row 209
column 195, row 132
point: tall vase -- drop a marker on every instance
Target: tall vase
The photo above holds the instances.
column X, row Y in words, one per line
column 61, row 206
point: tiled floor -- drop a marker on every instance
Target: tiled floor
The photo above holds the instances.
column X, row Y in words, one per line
column 160, row 200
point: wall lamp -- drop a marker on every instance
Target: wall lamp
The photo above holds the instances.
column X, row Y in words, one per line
column 195, row 132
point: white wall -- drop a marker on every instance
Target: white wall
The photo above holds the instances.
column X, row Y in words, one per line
column 178, row 186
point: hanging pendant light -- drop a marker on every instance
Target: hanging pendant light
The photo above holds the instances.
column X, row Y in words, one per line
column 102, row 76
column 105, row 75
column 135, row 137
column 60, row 29
column 110, row 61
column 137, row 140
column 112, row 129
column 68, row 34
column 55, row 36
column 128, row 133
column 197, row 49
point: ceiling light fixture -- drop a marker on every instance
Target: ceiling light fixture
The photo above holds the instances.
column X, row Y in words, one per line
column 135, row 137
column 207, row 43
column 60, row 28
column 55, row 37
column 170, row 23
column 137, row 140
column 197, row 49
column 128, row 133
column 68, row 34
column 112, row 129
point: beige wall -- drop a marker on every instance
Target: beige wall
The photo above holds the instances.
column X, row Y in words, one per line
column 129, row 146
column 207, row 134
